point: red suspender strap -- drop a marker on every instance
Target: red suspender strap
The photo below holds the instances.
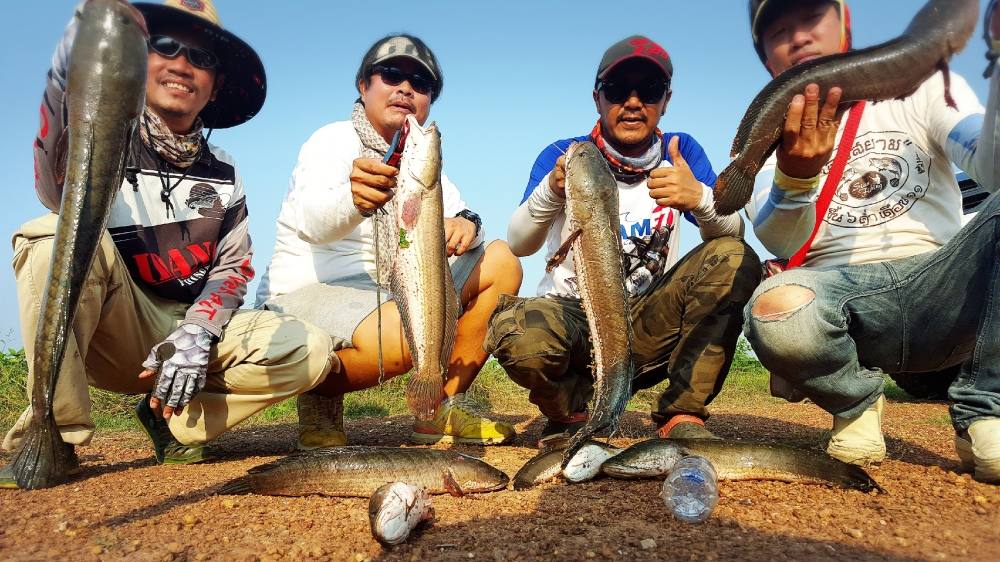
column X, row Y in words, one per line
column 832, row 179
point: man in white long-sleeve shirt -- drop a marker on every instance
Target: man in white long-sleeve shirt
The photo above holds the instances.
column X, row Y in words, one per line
column 686, row 314
column 324, row 266
column 892, row 282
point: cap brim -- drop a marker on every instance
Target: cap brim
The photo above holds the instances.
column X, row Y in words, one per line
column 405, row 56
column 245, row 85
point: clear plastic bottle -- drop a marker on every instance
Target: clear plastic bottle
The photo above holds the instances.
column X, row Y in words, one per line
column 691, row 490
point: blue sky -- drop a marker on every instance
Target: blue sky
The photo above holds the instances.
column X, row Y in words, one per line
column 518, row 75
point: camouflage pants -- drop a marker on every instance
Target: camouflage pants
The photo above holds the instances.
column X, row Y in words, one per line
column 685, row 328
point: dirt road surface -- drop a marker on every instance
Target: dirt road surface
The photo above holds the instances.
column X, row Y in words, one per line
column 125, row 507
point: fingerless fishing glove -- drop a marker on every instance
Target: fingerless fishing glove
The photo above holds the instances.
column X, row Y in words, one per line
column 182, row 363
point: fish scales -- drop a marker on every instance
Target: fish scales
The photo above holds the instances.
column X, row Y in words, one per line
column 359, row 471
column 890, row 70
column 105, row 93
column 592, row 212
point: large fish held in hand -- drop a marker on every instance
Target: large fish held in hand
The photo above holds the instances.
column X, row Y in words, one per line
column 419, row 276
column 594, row 226
column 359, row 471
column 891, row 70
column 105, row 93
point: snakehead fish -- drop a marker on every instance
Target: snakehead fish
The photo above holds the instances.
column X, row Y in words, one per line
column 593, row 223
column 359, row 471
column 547, row 465
column 105, row 93
column 890, row 70
column 397, row 508
column 419, row 278
column 736, row 460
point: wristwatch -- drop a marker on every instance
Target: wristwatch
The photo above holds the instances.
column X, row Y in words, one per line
column 471, row 217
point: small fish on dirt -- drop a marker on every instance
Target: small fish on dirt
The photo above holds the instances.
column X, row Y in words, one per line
column 547, row 465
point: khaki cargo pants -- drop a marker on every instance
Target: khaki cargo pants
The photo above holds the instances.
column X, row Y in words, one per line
column 262, row 358
column 684, row 326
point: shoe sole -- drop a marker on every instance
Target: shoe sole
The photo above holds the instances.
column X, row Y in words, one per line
column 855, row 457
column 429, row 439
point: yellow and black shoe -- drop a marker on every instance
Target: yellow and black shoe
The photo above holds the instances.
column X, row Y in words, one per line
column 321, row 421
column 456, row 421
column 166, row 447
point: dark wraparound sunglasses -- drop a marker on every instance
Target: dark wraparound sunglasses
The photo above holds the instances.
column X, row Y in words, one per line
column 170, row 48
column 649, row 92
column 394, row 77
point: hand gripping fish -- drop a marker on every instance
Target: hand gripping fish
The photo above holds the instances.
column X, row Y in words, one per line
column 419, row 276
column 891, row 70
column 105, row 93
column 592, row 218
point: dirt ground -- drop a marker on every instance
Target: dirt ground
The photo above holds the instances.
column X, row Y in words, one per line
column 125, row 507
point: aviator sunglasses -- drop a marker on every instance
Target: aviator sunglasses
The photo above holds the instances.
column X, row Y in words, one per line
column 170, row 48
column 649, row 92
column 394, row 77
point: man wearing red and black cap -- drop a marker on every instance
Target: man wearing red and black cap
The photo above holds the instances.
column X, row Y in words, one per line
column 686, row 310
column 890, row 281
column 172, row 272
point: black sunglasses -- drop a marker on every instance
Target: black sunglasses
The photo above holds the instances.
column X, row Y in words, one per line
column 649, row 92
column 170, row 48
column 394, row 77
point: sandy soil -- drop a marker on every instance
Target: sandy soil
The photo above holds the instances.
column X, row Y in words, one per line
column 125, row 507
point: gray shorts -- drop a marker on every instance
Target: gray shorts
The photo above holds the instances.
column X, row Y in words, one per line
column 341, row 306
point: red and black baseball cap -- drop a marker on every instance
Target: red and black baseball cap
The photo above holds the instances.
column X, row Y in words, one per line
column 635, row 47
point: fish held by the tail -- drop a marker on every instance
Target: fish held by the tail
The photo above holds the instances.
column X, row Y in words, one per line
column 592, row 217
column 890, row 70
column 396, row 509
column 104, row 97
column 359, row 471
column 420, row 279
column 737, row 460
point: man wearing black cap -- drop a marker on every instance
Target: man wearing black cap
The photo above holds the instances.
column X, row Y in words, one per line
column 685, row 310
column 890, row 281
column 173, row 270
column 324, row 265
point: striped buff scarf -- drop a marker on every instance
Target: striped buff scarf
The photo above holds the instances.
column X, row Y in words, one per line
column 625, row 169
column 180, row 150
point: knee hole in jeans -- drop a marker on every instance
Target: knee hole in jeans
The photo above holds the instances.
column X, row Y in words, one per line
column 781, row 302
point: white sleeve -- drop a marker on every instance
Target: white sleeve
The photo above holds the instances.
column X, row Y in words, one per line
column 320, row 188
column 454, row 204
column 531, row 221
column 711, row 224
column 781, row 221
column 969, row 136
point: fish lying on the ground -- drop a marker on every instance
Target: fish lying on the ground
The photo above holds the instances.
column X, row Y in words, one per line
column 105, row 92
column 419, row 277
column 395, row 509
column 547, row 464
column 738, row 460
column 593, row 222
column 890, row 70
column 358, row 471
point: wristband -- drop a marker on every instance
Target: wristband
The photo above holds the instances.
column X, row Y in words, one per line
column 795, row 185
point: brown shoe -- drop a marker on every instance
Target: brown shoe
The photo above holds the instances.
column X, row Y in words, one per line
column 321, row 421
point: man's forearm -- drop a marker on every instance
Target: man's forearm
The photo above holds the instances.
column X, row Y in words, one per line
column 531, row 221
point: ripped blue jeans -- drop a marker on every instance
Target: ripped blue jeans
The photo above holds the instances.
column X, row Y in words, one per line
column 917, row 314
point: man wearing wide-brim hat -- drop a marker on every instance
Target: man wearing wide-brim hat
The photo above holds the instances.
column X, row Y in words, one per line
column 173, row 270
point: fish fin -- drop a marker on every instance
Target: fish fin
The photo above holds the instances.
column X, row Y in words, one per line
column 733, row 189
column 424, row 391
column 859, row 479
column 235, row 487
column 946, row 74
column 452, row 485
column 563, row 251
column 43, row 460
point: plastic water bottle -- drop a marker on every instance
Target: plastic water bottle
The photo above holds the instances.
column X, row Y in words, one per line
column 691, row 490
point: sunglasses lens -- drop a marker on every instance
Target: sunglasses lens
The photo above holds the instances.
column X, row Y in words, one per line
column 649, row 92
column 166, row 46
column 170, row 47
column 420, row 84
column 202, row 58
column 390, row 75
column 394, row 77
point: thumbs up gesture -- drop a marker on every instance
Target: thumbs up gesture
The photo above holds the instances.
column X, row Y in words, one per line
column 675, row 186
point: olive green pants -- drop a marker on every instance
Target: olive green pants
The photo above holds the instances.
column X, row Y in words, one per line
column 684, row 328
column 262, row 358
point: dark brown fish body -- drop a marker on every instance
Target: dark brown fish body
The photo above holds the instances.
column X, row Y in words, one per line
column 104, row 96
column 592, row 216
column 359, row 471
column 891, row 70
column 547, row 465
column 737, row 460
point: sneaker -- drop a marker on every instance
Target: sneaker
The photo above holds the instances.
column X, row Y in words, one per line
column 979, row 449
column 166, row 447
column 684, row 426
column 456, row 421
column 321, row 421
column 558, row 431
column 7, row 480
column 859, row 440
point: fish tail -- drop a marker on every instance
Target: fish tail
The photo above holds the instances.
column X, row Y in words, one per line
column 733, row 190
column 235, row 487
column 424, row 391
column 43, row 460
column 859, row 479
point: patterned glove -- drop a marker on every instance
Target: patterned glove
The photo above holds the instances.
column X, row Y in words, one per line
column 181, row 362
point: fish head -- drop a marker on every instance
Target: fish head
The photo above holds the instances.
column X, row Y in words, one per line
column 422, row 153
column 590, row 182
